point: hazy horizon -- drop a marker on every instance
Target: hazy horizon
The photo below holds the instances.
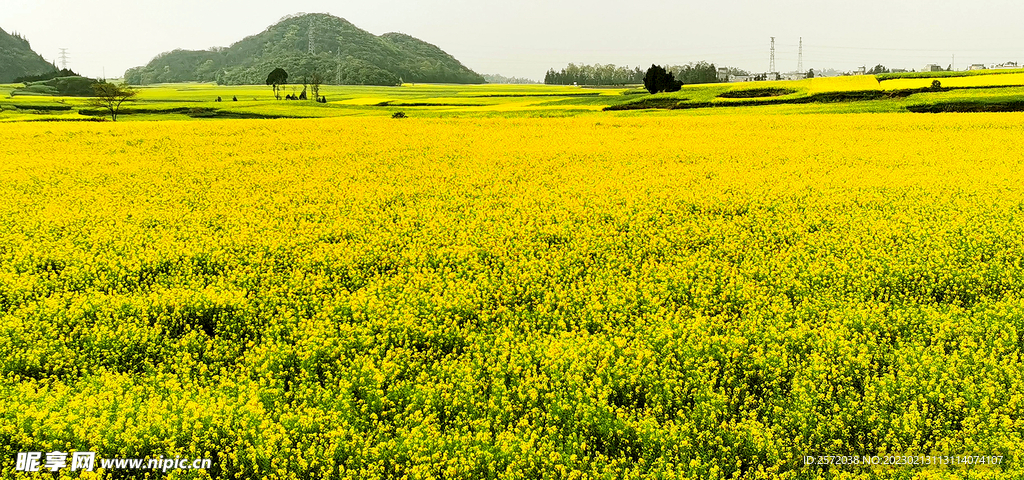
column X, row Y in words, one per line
column 525, row 39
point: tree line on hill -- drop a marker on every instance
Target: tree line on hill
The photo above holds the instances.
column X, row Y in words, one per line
column 597, row 74
column 42, row 77
column 501, row 79
column 56, row 83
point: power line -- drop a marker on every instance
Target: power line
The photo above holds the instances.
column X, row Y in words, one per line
column 889, row 49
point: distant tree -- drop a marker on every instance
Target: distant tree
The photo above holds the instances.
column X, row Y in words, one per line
column 315, row 80
column 736, row 71
column 596, row 74
column 234, row 98
column 501, row 79
column 700, row 72
column 810, row 73
column 936, row 85
column 45, row 76
column 277, row 78
column 302, row 96
column 110, row 97
column 657, row 79
column 652, row 80
column 218, row 99
column 878, row 69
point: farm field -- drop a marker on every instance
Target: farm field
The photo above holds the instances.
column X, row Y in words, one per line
column 187, row 101
column 531, row 290
column 998, row 91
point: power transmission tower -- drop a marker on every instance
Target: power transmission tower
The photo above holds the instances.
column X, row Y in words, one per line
column 312, row 45
column 64, row 59
column 771, row 66
column 800, row 57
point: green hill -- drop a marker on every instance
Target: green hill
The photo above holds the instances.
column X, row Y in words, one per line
column 18, row 60
column 341, row 53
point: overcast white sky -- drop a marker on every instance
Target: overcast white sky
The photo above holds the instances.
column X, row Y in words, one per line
column 526, row 37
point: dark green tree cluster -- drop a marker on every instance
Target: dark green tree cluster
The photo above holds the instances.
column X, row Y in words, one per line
column 596, row 74
column 359, row 72
column 878, row 69
column 71, row 86
column 275, row 79
column 657, row 79
column 699, row 72
column 501, row 79
column 178, row 66
column 67, row 72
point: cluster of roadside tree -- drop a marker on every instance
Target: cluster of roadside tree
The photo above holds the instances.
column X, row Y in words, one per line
column 597, row 74
column 699, row 72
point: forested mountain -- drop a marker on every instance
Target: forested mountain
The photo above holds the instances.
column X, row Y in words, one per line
column 18, row 60
column 341, row 53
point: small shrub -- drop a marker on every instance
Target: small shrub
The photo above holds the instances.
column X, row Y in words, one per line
column 936, row 84
column 398, row 115
column 657, row 79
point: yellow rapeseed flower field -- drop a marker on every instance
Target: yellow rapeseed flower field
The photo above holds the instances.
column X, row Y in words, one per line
column 675, row 297
column 973, row 81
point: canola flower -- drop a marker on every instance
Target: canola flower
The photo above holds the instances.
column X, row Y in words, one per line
column 594, row 297
column 973, row 81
